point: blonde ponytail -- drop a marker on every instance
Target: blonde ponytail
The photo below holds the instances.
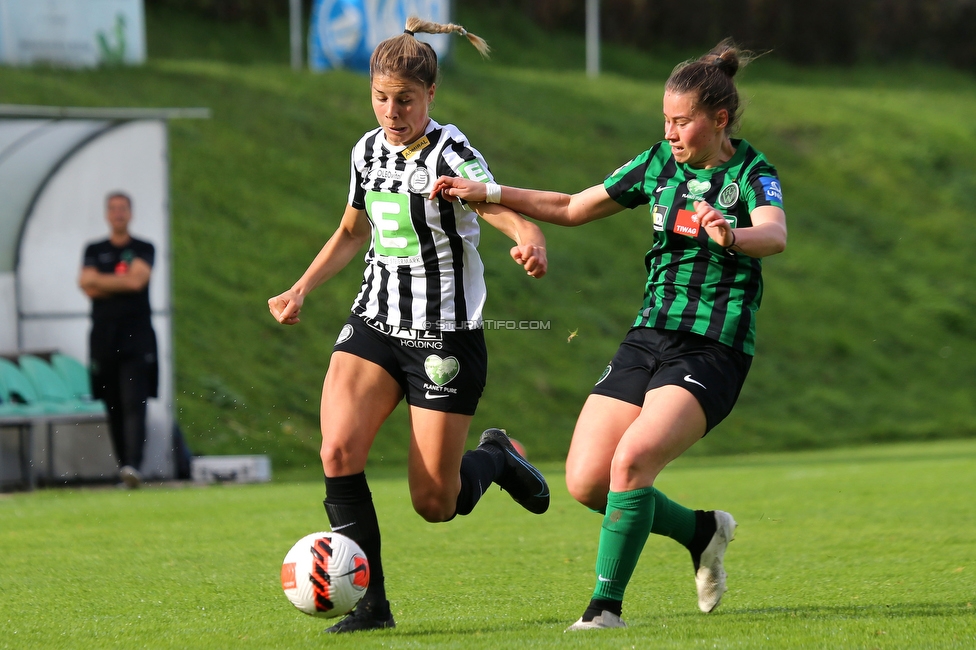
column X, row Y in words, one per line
column 415, row 25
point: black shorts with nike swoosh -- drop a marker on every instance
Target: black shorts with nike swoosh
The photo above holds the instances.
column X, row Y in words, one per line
column 650, row 358
column 437, row 370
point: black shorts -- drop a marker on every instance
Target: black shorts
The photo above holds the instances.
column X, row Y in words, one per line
column 437, row 370
column 650, row 358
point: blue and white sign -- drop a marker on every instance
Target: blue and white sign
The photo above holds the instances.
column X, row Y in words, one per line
column 72, row 32
column 344, row 33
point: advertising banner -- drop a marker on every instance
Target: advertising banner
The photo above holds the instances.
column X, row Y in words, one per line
column 344, row 33
column 75, row 33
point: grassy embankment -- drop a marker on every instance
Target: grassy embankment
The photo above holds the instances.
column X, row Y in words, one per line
column 867, row 331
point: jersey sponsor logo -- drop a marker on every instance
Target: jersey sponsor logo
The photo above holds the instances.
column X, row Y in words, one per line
column 441, row 371
column 473, row 170
column 393, row 233
column 404, row 334
column 606, row 373
column 433, row 389
column 419, row 180
column 685, row 223
column 729, row 195
column 415, row 148
column 344, row 334
column 419, row 344
column 771, row 188
column 698, row 188
column 384, row 174
column 660, row 214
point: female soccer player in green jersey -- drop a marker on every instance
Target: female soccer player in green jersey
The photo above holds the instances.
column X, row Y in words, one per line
column 717, row 209
column 416, row 328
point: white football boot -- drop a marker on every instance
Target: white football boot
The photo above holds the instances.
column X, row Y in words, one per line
column 604, row 620
column 710, row 575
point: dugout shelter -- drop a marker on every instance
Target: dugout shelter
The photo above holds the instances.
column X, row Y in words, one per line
column 56, row 167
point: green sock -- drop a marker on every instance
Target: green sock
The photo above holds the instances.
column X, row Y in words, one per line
column 672, row 519
column 625, row 529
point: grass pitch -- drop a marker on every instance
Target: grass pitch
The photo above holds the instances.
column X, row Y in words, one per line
column 855, row 548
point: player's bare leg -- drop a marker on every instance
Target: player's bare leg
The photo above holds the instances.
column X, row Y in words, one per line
column 601, row 424
column 436, row 447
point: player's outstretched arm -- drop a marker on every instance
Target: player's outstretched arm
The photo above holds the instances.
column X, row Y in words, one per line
column 349, row 237
column 552, row 207
column 530, row 243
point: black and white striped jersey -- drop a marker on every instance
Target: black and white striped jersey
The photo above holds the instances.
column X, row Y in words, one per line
column 423, row 270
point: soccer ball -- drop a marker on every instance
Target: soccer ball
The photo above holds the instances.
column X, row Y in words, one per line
column 325, row 574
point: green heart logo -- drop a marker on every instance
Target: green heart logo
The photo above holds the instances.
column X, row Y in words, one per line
column 441, row 371
column 698, row 187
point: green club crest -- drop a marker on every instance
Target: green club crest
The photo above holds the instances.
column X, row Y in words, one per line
column 729, row 195
column 697, row 187
column 441, row 371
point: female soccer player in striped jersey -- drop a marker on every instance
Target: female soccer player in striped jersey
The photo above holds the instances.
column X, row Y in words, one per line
column 717, row 209
column 416, row 325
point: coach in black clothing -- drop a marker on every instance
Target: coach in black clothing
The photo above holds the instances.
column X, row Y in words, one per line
column 124, row 370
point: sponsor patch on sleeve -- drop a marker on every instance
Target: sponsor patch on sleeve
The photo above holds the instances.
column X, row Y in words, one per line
column 771, row 189
column 473, row 170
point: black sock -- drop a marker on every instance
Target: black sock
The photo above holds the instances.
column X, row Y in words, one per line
column 598, row 605
column 349, row 506
column 478, row 470
column 705, row 528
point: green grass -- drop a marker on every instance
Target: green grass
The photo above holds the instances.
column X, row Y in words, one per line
column 866, row 547
column 868, row 326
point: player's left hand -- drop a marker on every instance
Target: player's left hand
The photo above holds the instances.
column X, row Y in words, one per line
column 532, row 257
column 714, row 223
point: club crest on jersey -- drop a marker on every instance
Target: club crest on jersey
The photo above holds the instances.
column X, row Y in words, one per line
column 729, row 195
column 419, row 180
column 441, row 371
column 698, row 188
column 660, row 214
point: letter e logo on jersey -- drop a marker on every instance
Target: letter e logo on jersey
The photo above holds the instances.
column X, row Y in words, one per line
column 472, row 170
column 685, row 224
column 441, row 371
column 393, row 233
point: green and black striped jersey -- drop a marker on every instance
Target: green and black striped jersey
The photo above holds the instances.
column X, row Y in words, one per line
column 693, row 284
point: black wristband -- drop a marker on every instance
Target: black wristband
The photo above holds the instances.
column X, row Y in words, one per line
column 733, row 240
